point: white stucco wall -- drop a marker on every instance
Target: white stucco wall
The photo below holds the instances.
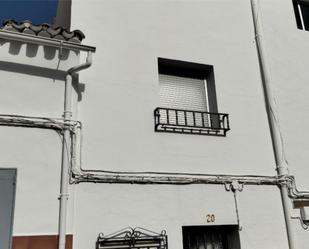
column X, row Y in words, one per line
column 38, row 172
column 171, row 207
column 131, row 35
column 116, row 109
column 122, row 87
column 288, row 55
column 34, row 86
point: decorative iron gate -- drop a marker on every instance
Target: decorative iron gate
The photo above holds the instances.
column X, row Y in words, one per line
column 139, row 238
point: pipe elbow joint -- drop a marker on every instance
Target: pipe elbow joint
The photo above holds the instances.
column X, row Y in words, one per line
column 83, row 66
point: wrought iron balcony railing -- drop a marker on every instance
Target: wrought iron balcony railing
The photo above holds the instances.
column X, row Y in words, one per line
column 191, row 122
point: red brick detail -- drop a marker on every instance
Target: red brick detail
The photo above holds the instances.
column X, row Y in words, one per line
column 40, row 242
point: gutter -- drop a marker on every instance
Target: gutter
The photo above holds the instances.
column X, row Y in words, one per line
column 45, row 41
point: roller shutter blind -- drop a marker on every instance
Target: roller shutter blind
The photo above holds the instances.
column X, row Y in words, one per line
column 182, row 93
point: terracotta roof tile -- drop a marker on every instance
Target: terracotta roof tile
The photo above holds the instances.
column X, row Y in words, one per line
column 44, row 30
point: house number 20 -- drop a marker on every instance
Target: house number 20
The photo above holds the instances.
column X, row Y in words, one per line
column 210, row 218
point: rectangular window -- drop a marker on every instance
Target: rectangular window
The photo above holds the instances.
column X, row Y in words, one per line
column 301, row 9
column 211, row 237
column 188, row 102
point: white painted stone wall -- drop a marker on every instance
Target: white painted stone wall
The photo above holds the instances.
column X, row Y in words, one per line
column 131, row 35
column 122, row 89
column 289, row 58
column 109, row 208
column 116, row 109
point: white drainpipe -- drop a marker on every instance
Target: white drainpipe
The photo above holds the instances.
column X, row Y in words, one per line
column 282, row 168
column 65, row 165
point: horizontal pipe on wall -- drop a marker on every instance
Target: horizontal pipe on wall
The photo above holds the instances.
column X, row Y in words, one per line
column 37, row 122
column 171, row 178
column 80, row 175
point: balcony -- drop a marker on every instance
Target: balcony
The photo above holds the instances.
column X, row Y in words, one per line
column 191, row 122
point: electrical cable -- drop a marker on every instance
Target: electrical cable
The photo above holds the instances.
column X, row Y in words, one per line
column 237, row 211
column 78, row 174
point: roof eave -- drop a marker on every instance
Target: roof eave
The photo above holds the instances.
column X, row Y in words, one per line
column 39, row 40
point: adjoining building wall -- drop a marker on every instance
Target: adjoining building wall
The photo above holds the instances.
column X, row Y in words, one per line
column 33, row 79
column 288, row 56
column 36, row 154
column 32, row 84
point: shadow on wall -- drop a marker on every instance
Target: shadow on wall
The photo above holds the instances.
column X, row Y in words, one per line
column 32, row 50
column 50, row 53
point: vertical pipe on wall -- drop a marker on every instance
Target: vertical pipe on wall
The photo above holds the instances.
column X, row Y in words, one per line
column 281, row 166
column 66, row 152
column 64, row 195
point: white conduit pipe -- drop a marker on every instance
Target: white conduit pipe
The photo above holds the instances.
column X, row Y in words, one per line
column 282, row 169
column 65, row 164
